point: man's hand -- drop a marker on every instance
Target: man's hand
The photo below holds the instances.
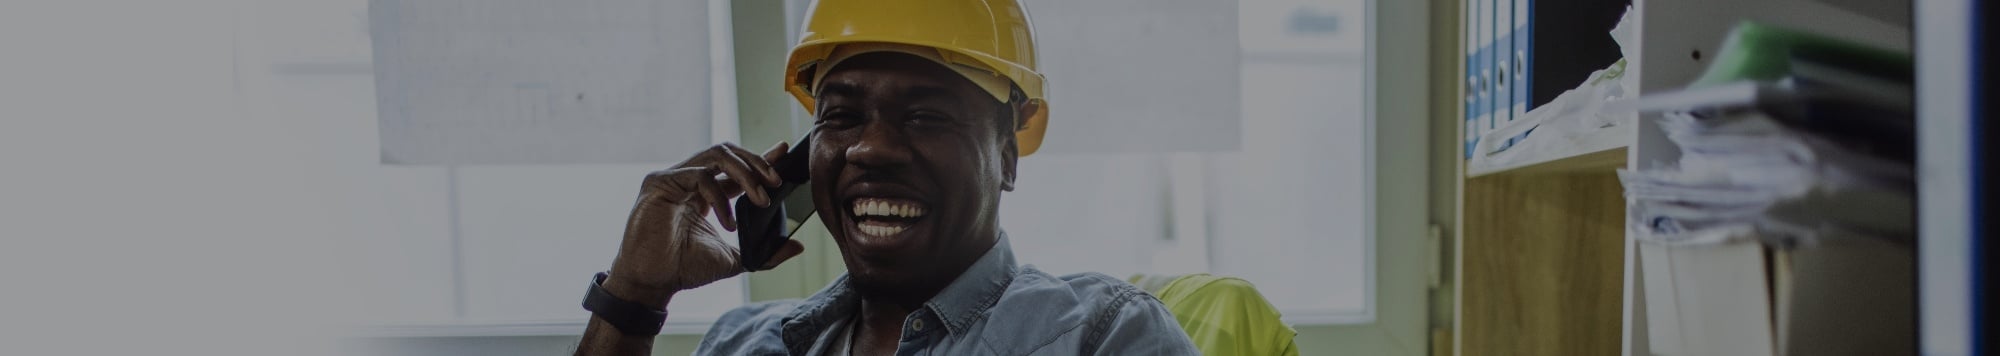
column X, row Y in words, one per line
column 669, row 245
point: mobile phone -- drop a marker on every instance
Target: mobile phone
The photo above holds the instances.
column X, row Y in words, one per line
column 762, row 230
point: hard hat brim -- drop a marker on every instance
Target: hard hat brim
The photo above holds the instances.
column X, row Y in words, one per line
column 1028, row 138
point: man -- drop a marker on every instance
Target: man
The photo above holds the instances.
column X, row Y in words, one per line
column 922, row 108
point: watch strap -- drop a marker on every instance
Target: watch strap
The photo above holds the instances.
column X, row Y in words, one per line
column 630, row 318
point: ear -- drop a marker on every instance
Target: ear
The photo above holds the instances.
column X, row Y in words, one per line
column 1011, row 154
column 1008, row 156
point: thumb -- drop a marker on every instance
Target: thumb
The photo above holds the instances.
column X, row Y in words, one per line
column 792, row 248
column 776, row 151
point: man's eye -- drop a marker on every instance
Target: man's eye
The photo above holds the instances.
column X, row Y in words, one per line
column 839, row 119
column 928, row 118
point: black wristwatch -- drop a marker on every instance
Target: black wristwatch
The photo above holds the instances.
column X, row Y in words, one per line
column 630, row 318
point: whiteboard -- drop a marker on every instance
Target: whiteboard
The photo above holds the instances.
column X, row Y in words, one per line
column 539, row 82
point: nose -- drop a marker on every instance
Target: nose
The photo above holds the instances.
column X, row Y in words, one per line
column 880, row 146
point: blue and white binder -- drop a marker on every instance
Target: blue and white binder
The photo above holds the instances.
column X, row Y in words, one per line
column 1524, row 55
column 1486, row 37
column 1479, row 69
column 1516, row 60
column 1475, row 85
column 1503, row 62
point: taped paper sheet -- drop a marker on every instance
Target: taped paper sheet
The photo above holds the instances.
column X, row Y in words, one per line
column 541, row 82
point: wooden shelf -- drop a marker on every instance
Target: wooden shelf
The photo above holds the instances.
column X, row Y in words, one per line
column 1544, row 266
column 1601, row 160
column 1541, row 264
column 1602, row 152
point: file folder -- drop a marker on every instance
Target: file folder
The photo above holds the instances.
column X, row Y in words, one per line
column 1503, row 60
column 1479, row 78
column 1559, row 54
column 1470, row 37
column 1523, row 56
column 1487, row 35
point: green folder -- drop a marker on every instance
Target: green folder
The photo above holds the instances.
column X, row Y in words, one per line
column 1759, row 52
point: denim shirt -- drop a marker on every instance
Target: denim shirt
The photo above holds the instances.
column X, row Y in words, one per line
column 993, row 308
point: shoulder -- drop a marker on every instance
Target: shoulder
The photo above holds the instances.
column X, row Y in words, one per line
column 749, row 329
column 1129, row 320
column 1081, row 289
column 1090, row 293
column 1094, row 309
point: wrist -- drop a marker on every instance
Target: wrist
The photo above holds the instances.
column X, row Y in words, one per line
column 651, row 296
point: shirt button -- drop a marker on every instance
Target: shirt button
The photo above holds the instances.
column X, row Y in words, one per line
column 917, row 325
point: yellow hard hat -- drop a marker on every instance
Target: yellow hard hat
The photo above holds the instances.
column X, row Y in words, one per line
column 993, row 36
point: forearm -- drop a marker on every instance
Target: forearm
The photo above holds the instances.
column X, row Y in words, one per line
column 600, row 338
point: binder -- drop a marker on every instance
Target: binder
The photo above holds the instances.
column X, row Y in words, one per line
column 1477, row 77
column 1503, row 60
column 1515, row 60
column 1522, row 45
column 1474, row 85
column 1483, row 26
column 1524, row 55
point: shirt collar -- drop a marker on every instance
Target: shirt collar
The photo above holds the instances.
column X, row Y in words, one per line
column 959, row 305
column 966, row 300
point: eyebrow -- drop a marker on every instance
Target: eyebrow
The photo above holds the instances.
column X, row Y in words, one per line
column 912, row 93
column 927, row 92
column 839, row 88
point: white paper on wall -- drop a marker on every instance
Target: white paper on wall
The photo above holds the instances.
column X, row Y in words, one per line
column 540, row 82
column 1140, row 75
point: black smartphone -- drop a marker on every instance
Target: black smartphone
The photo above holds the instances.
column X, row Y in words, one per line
column 760, row 231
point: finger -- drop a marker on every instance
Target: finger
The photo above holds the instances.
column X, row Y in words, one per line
column 732, row 186
column 777, row 151
column 740, row 176
column 792, row 248
column 761, row 165
column 711, row 193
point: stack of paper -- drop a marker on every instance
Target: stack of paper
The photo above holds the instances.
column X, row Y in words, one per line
column 1787, row 138
column 1774, row 162
column 1784, row 224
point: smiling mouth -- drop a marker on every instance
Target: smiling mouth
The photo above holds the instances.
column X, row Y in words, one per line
column 886, row 217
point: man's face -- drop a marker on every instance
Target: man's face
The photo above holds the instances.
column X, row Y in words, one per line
column 907, row 169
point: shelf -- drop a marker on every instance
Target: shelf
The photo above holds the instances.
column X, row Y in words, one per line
column 1601, row 159
column 1541, row 265
column 1601, row 154
column 1599, row 149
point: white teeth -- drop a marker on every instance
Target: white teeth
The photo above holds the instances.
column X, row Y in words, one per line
column 881, row 230
column 875, row 207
